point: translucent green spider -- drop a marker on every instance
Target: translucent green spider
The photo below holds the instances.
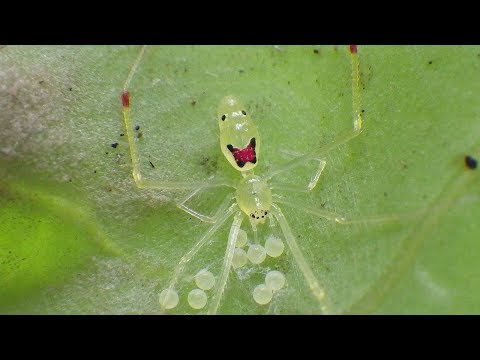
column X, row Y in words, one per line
column 252, row 199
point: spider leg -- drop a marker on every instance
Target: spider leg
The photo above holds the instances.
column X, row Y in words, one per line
column 193, row 251
column 302, row 263
column 329, row 215
column 140, row 181
column 319, row 152
column 133, row 69
column 340, row 139
column 254, row 230
column 313, row 179
column 227, row 263
column 205, row 218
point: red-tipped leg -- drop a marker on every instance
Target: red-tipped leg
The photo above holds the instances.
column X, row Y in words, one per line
column 125, row 99
column 353, row 49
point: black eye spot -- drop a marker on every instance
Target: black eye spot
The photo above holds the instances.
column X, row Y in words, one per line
column 258, row 218
column 224, row 117
column 243, row 112
column 253, row 216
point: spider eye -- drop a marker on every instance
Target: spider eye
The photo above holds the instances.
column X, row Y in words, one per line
column 244, row 113
column 224, row 117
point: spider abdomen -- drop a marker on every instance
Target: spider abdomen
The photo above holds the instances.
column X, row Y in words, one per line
column 254, row 197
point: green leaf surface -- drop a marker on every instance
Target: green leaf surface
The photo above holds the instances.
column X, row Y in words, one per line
column 77, row 235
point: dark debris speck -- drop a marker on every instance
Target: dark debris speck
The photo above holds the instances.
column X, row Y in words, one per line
column 471, row 162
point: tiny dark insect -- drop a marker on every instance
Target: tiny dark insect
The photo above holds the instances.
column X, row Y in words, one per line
column 70, row 89
column 471, row 162
column 153, row 166
column 137, row 127
column 316, row 51
column 114, row 145
column 94, row 171
column 139, row 135
column 122, row 134
column 193, row 102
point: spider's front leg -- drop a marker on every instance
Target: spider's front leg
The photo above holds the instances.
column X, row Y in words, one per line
column 319, row 153
column 169, row 185
column 156, row 184
column 140, row 181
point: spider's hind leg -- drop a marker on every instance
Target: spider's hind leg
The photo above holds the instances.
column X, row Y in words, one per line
column 317, row 290
column 179, row 269
column 227, row 263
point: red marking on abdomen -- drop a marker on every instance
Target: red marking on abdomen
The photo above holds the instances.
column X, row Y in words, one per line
column 125, row 99
column 244, row 155
column 353, row 49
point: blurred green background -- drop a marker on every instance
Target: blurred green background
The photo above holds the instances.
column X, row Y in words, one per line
column 77, row 236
